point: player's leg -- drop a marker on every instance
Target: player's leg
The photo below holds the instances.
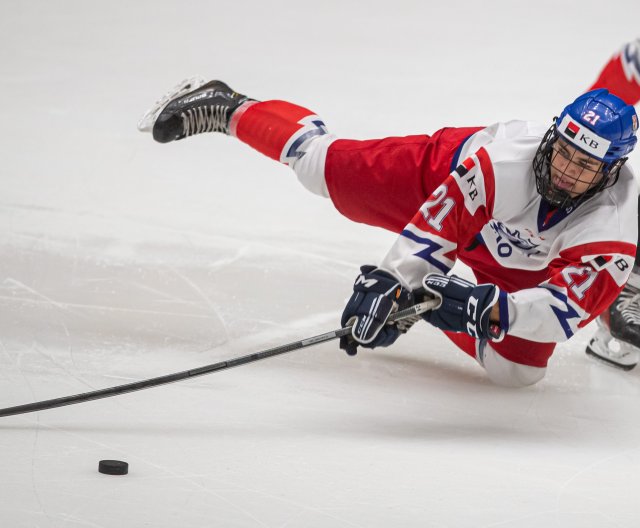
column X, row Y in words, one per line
column 512, row 362
column 506, row 373
column 377, row 182
column 621, row 75
column 384, row 182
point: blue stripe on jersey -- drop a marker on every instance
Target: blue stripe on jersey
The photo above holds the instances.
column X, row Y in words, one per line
column 563, row 316
column 427, row 252
column 456, row 156
column 503, row 305
column 548, row 216
column 319, row 130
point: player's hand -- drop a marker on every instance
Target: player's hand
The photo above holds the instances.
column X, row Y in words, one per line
column 376, row 294
column 465, row 307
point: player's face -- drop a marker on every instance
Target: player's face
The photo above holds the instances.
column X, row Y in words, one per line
column 572, row 171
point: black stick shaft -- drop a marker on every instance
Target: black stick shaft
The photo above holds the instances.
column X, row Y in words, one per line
column 201, row 371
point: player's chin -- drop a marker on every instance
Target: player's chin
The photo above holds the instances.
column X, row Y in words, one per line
column 558, row 185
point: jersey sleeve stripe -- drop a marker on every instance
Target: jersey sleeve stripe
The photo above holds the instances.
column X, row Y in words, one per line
column 456, row 156
column 489, row 179
column 429, row 250
column 576, row 253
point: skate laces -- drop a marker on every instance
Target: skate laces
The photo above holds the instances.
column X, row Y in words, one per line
column 629, row 307
column 212, row 118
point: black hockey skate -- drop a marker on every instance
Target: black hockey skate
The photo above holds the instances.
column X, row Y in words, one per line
column 192, row 107
column 617, row 341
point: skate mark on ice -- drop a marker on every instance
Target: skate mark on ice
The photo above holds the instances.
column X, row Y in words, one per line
column 21, row 285
column 157, row 291
column 6, row 354
column 289, row 330
column 41, row 352
column 28, row 207
column 34, row 486
column 586, row 469
column 207, row 301
column 220, row 263
column 67, row 306
column 194, row 479
column 71, row 518
column 231, row 241
column 516, row 521
column 130, row 456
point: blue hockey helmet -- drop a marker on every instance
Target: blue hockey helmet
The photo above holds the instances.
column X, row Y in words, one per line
column 599, row 124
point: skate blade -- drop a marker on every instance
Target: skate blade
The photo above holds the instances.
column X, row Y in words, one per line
column 623, row 366
column 145, row 124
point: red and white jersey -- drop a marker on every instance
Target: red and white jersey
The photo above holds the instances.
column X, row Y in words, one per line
column 558, row 269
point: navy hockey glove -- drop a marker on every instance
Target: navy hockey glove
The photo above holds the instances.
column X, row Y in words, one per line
column 376, row 294
column 465, row 307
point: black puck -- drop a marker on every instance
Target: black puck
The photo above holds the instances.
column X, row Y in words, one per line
column 113, row 467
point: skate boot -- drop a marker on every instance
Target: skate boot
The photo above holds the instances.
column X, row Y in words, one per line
column 617, row 340
column 192, row 107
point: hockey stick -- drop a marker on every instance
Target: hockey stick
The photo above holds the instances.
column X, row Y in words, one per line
column 416, row 309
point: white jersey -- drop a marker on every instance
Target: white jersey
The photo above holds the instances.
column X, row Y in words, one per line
column 558, row 268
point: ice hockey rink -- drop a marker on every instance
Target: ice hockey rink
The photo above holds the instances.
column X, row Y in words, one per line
column 122, row 259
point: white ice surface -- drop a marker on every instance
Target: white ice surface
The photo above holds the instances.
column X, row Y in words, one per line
column 121, row 259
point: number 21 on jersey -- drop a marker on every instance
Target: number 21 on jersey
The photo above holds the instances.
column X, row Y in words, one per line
column 436, row 209
column 579, row 279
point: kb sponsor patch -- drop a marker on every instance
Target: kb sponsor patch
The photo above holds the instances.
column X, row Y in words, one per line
column 583, row 138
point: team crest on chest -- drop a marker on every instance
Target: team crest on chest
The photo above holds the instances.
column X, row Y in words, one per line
column 507, row 238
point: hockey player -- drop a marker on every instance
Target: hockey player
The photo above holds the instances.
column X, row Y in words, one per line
column 545, row 218
column 617, row 340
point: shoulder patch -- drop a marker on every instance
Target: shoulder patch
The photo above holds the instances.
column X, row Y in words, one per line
column 618, row 266
column 470, row 179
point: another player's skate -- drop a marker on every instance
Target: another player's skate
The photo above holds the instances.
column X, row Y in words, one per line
column 617, row 341
column 192, row 107
column 604, row 347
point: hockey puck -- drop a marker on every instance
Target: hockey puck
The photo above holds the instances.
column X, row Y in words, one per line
column 113, row 467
